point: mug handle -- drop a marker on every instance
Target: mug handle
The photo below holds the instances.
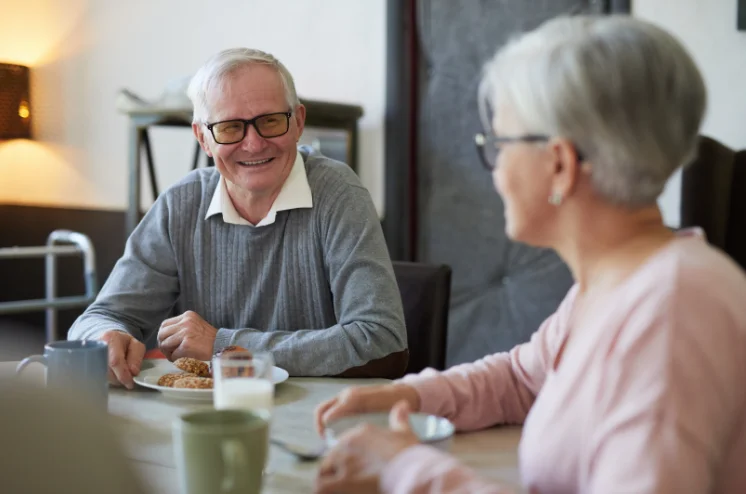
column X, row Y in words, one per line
column 42, row 359
column 234, row 461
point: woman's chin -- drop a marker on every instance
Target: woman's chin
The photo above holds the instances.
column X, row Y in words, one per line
column 514, row 231
column 509, row 229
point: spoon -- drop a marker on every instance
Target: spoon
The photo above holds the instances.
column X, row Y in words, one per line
column 300, row 452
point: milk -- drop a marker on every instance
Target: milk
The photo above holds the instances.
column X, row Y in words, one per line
column 244, row 393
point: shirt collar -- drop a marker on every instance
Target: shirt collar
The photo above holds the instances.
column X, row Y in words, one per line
column 294, row 194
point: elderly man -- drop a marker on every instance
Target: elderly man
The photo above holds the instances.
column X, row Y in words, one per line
column 274, row 249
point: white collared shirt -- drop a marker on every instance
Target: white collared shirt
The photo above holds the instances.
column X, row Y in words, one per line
column 295, row 194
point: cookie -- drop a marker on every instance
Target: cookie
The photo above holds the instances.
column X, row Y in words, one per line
column 243, row 371
column 193, row 366
column 193, row 383
column 236, row 354
column 232, row 349
column 169, row 379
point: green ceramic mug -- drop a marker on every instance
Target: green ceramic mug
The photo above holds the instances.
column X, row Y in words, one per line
column 221, row 451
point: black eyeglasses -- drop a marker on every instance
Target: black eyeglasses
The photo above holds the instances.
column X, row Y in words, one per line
column 488, row 146
column 233, row 131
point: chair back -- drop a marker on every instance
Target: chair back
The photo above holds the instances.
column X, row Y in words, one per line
column 425, row 291
column 713, row 196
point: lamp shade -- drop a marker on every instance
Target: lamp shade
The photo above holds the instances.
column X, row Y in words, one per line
column 15, row 105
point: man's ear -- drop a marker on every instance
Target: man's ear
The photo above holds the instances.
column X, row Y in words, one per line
column 200, row 135
column 300, row 118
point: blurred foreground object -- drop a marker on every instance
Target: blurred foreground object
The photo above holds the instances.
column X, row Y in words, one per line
column 53, row 445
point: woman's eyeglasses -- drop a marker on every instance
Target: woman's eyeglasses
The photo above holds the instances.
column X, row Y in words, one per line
column 489, row 146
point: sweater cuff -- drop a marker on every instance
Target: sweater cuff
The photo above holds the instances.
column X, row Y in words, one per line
column 411, row 468
column 223, row 338
column 94, row 332
column 244, row 337
column 429, row 387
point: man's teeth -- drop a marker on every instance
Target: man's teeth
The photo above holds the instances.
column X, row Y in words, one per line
column 254, row 163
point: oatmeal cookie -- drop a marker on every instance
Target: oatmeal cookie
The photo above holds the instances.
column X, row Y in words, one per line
column 233, row 353
column 193, row 383
column 243, row 371
column 169, row 379
column 231, row 349
column 193, row 366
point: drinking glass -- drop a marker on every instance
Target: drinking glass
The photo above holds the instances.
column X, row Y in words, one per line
column 243, row 381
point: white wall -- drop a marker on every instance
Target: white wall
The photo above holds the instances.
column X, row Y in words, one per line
column 708, row 30
column 83, row 51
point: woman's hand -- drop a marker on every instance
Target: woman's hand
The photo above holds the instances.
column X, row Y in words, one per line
column 356, row 463
column 365, row 399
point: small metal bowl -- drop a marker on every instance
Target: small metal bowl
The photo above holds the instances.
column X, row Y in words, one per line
column 430, row 429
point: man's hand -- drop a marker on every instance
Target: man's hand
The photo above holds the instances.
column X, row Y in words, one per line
column 187, row 335
column 125, row 357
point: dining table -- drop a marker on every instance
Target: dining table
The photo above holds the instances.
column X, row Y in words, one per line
column 143, row 418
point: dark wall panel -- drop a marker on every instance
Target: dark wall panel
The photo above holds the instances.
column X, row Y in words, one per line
column 441, row 206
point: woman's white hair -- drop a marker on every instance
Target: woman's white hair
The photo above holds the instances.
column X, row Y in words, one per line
column 624, row 91
column 221, row 65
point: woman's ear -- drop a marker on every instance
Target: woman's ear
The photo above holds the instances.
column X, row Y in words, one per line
column 566, row 173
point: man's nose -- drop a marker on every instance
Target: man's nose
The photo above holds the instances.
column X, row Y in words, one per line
column 252, row 141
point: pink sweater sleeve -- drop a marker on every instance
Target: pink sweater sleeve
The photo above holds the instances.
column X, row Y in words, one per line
column 423, row 470
column 498, row 389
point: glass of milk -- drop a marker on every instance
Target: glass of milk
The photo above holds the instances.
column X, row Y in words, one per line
column 243, row 381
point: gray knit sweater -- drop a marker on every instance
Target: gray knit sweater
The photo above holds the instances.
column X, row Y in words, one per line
column 316, row 288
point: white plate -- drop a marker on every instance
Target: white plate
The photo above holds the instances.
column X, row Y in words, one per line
column 430, row 429
column 152, row 370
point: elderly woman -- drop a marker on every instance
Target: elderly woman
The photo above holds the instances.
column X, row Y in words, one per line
column 636, row 383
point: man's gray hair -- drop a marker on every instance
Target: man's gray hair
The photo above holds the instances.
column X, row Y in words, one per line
column 222, row 65
column 624, row 91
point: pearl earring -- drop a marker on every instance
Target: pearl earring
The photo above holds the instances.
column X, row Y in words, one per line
column 555, row 199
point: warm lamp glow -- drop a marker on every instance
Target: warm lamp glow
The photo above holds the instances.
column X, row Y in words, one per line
column 34, row 33
column 34, row 172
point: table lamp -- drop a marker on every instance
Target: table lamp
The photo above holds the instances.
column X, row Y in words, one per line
column 15, row 108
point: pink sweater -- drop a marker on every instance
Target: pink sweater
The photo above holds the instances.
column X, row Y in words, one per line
column 651, row 399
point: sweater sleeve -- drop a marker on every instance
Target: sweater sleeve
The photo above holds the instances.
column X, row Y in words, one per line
column 369, row 339
column 423, row 470
column 500, row 388
column 143, row 286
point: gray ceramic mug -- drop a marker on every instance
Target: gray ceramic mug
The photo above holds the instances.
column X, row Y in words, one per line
column 77, row 366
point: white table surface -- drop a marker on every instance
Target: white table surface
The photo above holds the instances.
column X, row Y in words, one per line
column 143, row 419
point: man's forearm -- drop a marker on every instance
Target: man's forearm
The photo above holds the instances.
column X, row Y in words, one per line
column 352, row 350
